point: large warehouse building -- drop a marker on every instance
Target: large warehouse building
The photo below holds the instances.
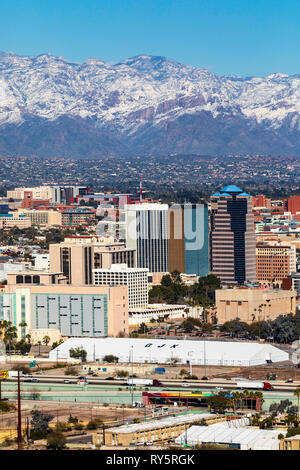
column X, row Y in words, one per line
column 164, row 351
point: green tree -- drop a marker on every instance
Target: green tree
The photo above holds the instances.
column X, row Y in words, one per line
column 110, row 358
column 78, row 353
column 297, row 394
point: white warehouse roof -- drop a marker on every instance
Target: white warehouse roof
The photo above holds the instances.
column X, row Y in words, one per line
column 163, row 350
column 245, row 438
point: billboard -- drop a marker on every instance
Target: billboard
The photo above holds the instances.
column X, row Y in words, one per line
column 3, row 374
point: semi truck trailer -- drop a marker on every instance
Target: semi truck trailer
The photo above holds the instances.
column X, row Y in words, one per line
column 249, row 385
column 146, row 382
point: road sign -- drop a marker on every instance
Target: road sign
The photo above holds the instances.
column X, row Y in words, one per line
column 32, row 364
column 3, row 374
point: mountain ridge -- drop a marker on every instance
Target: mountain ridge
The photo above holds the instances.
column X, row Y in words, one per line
column 143, row 105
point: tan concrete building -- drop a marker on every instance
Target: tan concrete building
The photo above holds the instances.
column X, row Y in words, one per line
column 38, row 192
column 42, row 217
column 77, row 258
column 290, row 443
column 35, row 278
column 11, row 220
column 254, row 304
column 152, row 431
column 39, row 334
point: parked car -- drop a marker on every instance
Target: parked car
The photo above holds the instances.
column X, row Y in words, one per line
column 149, row 443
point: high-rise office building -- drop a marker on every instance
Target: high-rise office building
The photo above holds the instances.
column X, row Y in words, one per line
column 76, row 257
column 146, row 227
column 188, row 239
column 232, row 236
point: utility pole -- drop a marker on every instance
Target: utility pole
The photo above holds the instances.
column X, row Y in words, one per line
column 20, row 443
column 204, row 359
column 103, row 432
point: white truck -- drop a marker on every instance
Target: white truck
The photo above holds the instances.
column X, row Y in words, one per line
column 147, row 382
column 250, row 385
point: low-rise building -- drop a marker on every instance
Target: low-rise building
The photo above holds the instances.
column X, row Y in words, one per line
column 10, row 220
column 151, row 431
column 140, row 315
column 290, row 443
column 254, row 304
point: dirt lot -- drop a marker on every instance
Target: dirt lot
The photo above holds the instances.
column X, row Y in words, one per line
column 61, row 413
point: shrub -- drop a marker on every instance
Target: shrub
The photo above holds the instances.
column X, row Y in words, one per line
column 71, row 371
column 73, row 419
column 5, row 407
column 122, row 373
column 78, row 426
column 62, row 427
column 56, row 441
column 94, row 424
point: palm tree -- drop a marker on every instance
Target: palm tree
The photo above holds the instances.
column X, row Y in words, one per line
column 46, row 340
column 28, row 337
column 297, row 394
column 23, row 326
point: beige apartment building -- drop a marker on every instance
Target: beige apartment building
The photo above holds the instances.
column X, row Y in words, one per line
column 77, row 257
column 254, row 304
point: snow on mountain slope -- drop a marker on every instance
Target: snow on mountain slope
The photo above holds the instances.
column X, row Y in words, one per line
column 140, row 95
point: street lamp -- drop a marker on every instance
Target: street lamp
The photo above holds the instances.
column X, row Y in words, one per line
column 131, row 359
column 190, row 354
column 204, row 351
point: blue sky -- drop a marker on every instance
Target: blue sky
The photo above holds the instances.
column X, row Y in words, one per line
column 229, row 37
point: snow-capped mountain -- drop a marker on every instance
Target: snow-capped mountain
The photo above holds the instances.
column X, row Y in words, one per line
column 143, row 105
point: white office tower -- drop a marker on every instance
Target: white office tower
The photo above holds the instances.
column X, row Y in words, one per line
column 146, row 227
column 120, row 275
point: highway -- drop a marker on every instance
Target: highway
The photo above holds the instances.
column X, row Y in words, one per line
column 170, row 383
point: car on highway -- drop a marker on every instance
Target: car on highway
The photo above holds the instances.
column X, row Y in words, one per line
column 109, row 378
column 149, row 443
column 67, row 381
column 185, row 384
column 82, row 382
column 32, row 380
